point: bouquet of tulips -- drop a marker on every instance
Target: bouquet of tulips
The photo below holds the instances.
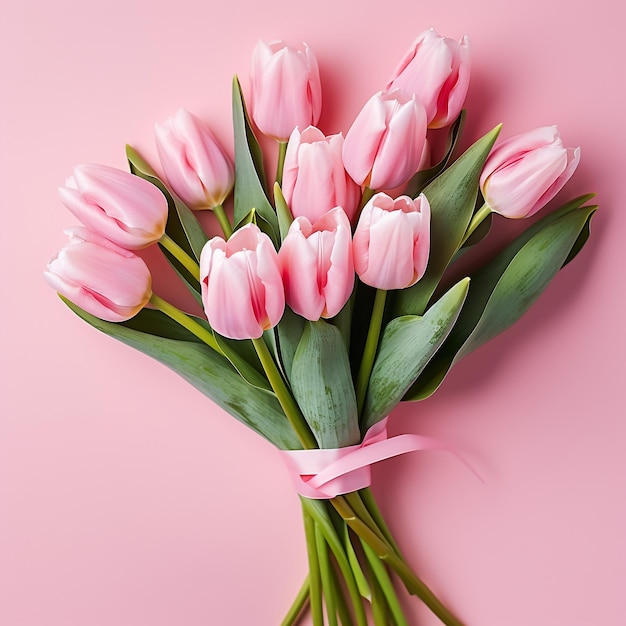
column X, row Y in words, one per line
column 327, row 301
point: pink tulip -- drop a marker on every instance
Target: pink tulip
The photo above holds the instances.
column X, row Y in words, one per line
column 120, row 206
column 392, row 241
column 242, row 290
column 100, row 277
column 285, row 89
column 316, row 265
column 436, row 70
column 314, row 179
column 384, row 146
column 525, row 172
column 196, row 166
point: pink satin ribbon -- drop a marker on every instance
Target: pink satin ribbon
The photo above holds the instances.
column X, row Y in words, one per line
column 325, row 473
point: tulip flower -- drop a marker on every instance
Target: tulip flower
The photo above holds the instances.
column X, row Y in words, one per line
column 314, row 178
column 392, row 241
column 196, row 166
column 120, row 206
column 316, row 265
column 384, row 145
column 285, row 89
column 100, row 277
column 436, row 70
column 524, row 172
column 242, row 291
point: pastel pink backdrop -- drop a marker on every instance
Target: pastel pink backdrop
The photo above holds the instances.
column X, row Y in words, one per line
column 127, row 498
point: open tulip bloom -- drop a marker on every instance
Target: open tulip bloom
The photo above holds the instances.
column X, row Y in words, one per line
column 321, row 318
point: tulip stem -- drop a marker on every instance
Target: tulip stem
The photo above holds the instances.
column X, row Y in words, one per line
column 282, row 150
column 202, row 333
column 298, row 605
column 286, row 400
column 477, row 219
column 222, row 218
column 371, row 347
column 180, row 255
column 366, row 196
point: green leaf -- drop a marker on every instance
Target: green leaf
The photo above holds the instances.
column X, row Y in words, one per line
column 249, row 175
column 289, row 331
column 322, row 385
column 422, row 178
column 209, row 372
column 452, row 196
column 505, row 288
column 182, row 225
column 407, row 345
column 284, row 214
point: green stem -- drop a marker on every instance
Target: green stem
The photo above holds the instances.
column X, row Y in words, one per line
column 371, row 346
column 282, row 150
column 327, row 582
column 380, row 573
column 370, row 503
column 342, row 607
column 188, row 263
column 318, row 512
column 298, row 605
column 186, row 321
column 286, row 400
column 379, row 608
column 222, row 218
column 477, row 220
column 366, row 196
column 315, row 581
column 384, row 551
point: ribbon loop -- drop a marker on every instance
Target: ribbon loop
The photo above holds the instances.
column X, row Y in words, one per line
column 325, row 473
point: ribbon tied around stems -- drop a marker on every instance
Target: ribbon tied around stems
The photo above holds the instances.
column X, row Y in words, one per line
column 321, row 474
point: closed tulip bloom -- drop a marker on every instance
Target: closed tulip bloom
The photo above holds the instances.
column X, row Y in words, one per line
column 100, row 277
column 120, row 206
column 437, row 71
column 316, row 265
column 242, row 291
column 196, row 166
column 314, row 178
column 392, row 241
column 525, row 172
column 384, row 145
column 285, row 89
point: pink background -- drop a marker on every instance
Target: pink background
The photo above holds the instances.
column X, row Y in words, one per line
column 127, row 498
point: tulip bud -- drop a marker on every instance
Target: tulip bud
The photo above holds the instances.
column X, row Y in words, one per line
column 524, row 172
column 314, row 178
column 196, row 166
column 436, row 70
column 242, row 291
column 392, row 241
column 285, row 89
column 120, row 206
column 100, row 277
column 316, row 265
column 384, row 145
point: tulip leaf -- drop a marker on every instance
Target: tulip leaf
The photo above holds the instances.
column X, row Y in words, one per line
column 452, row 197
column 322, row 385
column 505, row 288
column 423, row 177
column 249, row 174
column 284, row 214
column 407, row 345
column 182, row 225
column 210, row 373
column 289, row 331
